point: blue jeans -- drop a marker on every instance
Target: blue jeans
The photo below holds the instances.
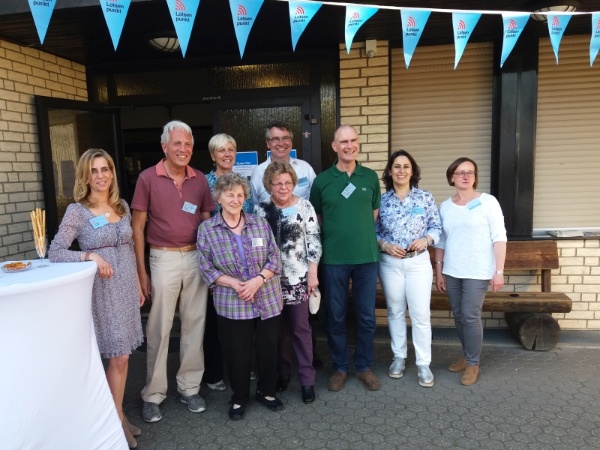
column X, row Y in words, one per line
column 335, row 288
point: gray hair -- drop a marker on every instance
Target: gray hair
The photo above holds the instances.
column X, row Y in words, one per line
column 281, row 126
column 229, row 181
column 175, row 125
column 219, row 141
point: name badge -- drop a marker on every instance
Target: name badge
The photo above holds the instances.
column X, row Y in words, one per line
column 289, row 211
column 189, row 208
column 349, row 190
column 302, row 182
column 257, row 242
column 99, row 221
column 417, row 211
column 474, row 204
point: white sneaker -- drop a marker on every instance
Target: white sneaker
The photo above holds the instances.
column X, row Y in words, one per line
column 425, row 376
column 397, row 368
column 218, row 386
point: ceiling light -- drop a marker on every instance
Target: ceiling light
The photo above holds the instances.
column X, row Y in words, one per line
column 550, row 6
column 167, row 44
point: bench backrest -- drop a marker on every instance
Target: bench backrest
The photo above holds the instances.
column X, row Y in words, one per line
column 530, row 255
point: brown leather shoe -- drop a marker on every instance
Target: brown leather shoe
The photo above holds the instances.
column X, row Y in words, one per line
column 458, row 366
column 337, row 380
column 368, row 380
column 470, row 375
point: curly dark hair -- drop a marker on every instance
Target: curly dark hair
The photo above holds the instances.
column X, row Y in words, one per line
column 387, row 176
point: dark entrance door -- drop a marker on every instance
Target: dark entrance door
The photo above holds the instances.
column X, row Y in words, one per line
column 246, row 120
column 66, row 129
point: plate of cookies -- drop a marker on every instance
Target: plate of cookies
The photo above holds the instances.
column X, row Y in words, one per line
column 16, row 266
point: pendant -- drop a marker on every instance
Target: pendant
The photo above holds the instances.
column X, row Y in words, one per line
column 107, row 214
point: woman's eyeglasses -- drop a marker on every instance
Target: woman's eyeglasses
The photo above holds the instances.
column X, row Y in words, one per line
column 463, row 174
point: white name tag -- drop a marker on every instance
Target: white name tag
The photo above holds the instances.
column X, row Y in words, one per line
column 349, row 190
column 257, row 242
column 189, row 208
column 99, row 221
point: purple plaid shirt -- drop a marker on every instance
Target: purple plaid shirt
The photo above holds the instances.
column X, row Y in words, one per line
column 219, row 255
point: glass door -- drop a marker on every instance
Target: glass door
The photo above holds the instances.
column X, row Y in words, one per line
column 66, row 129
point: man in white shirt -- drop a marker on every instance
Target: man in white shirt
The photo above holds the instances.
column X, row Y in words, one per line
column 279, row 138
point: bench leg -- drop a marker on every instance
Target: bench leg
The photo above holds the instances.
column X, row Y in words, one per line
column 534, row 331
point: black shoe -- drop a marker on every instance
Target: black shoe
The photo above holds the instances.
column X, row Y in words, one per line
column 308, row 394
column 273, row 405
column 282, row 382
column 236, row 413
column 317, row 362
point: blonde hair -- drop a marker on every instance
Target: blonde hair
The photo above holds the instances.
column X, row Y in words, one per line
column 81, row 191
column 219, row 141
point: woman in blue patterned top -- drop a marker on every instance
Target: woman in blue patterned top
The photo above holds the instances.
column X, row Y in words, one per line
column 223, row 150
column 407, row 224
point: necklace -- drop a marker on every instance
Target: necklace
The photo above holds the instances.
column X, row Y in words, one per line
column 107, row 214
column 236, row 225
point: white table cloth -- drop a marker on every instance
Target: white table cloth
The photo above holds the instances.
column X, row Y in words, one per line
column 53, row 390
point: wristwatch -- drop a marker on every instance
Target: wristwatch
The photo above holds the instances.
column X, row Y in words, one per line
column 499, row 272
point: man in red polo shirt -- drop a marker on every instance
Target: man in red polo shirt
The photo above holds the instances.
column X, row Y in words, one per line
column 172, row 199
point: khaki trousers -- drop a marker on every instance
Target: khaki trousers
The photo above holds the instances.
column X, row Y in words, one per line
column 175, row 275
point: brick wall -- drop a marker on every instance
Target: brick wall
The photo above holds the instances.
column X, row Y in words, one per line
column 365, row 100
column 25, row 72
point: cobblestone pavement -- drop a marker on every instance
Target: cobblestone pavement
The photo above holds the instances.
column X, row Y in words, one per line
column 523, row 400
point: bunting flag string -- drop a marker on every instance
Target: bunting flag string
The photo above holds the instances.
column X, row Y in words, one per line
column 42, row 12
column 463, row 24
column 301, row 12
column 243, row 13
column 356, row 16
column 413, row 23
column 595, row 40
column 556, row 28
column 513, row 26
column 300, row 15
column 183, row 14
column 115, row 12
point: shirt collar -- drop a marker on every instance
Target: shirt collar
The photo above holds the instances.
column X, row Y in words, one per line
column 161, row 171
column 359, row 170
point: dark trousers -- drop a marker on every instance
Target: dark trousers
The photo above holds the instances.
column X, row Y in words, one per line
column 297, row 329
column 213, row 357
column 238, row 339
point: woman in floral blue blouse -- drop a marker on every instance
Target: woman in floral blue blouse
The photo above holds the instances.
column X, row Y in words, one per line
column 407, row 224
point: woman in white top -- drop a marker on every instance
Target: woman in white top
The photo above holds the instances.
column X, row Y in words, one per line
column 469, row 257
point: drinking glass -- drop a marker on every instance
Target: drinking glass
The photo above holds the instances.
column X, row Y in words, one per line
column 41, row 251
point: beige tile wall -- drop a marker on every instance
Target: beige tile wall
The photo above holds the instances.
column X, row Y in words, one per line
column 25, row 72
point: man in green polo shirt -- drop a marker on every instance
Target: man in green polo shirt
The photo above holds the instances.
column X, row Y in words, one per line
column 346, row 198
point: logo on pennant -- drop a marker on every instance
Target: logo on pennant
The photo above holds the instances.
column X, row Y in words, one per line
column 595, row 40
column 243, row 15
column 513, row 26
column 556, row 26
column 42, row 10
column 413, row 23
column 300, row 16
column 183, row 14
column 356, row 16
column 464, row 24
column 115, row 12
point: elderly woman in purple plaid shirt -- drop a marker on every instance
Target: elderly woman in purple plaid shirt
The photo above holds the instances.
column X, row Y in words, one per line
column 239, row 257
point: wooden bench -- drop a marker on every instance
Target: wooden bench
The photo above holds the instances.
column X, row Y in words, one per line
column 528, row 314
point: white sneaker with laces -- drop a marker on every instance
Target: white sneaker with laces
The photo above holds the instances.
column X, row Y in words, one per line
column 218, row 386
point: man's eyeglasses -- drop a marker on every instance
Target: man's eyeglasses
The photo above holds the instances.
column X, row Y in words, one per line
column 287, row 184
column 463, row 174
column 277, row 140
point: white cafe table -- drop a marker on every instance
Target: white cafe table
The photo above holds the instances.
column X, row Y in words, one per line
column 53, row 391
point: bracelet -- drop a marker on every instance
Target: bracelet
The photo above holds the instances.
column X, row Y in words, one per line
column 263, row 277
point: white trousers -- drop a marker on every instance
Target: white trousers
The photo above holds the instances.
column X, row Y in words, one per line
column 407, row 282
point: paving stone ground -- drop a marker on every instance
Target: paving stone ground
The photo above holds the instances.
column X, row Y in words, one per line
column 523, row 400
